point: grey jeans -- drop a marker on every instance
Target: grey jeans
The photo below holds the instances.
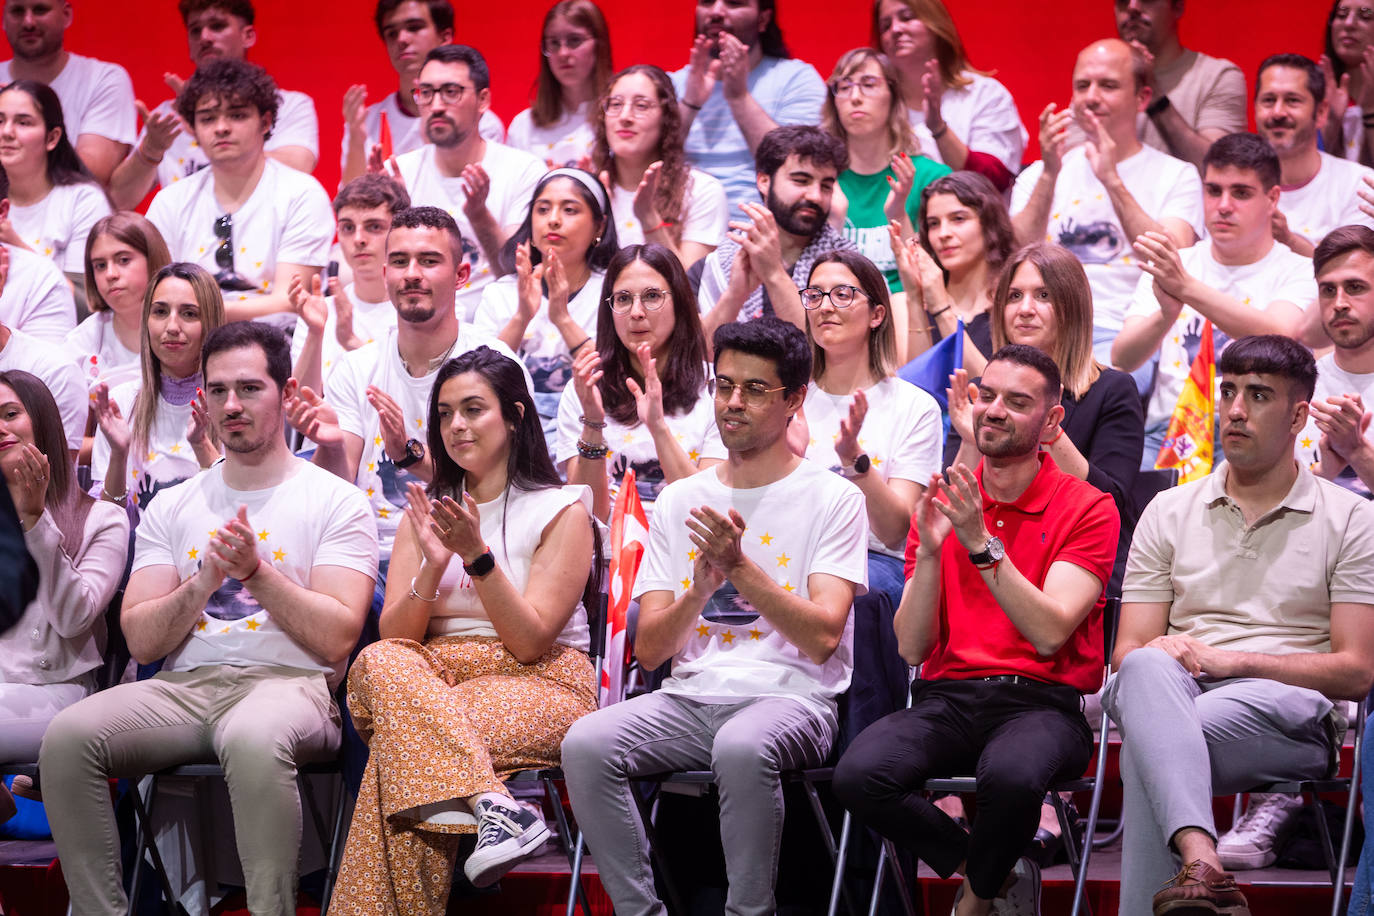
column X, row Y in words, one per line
column 1185, row 740
column 257, row 722
column 745, row 745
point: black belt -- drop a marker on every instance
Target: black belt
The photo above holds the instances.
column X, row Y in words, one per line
column 1017, row 679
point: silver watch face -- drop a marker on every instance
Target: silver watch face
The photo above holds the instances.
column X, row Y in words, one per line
column 995, row 550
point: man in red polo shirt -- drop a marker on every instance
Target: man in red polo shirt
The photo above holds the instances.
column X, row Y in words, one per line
column 1006, row 619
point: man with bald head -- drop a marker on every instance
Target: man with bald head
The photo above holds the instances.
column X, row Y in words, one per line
column 1194, row 99
column 1097, row 198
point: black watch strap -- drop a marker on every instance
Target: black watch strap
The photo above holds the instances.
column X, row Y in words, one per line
column 480, row 566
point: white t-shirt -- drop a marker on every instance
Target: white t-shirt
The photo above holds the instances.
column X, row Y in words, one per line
column 288, row 218
column 1332, row 380
column 982, row 114
column 705, row 212
column 99, row 354
column 310, row 519
column 633, row 446
column 407, row 133
column 1329, row 200
column 1352, row 132
column 297, row 125
column 512, row 525
column 1083, row 220
column 902, row 435
column 36, row 298
column 543, row 349
column 1279, row 276
column 54, row 367
column 165, row 461
column 565, row 142
column 56, row 227
column 811, row 521
column 97, row 98
column 379, row 364
column 513, row 174
column 371, row 321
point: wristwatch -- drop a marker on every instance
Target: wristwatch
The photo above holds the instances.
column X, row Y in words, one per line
column 992, row 553
column 415, row 450
column 857, row 469
column 1154, row 108
column 480, row 566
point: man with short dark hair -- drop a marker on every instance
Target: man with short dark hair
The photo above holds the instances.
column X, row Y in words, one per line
column 1320, row 191
column 740, row 82
column 1005, row 618
column 410, row 29
column 97, row 96
column 251, row 221
column 167, row 151
column 747, row 583
column 255, row 623
column 767, row 256
column 1195, row 99
column 484, row 185
column 1244, row 614
column 1239, row 278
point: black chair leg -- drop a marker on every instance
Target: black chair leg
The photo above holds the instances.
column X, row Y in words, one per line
column 147, row 843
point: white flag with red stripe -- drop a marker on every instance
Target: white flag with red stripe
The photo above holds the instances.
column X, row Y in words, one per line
column 629, row 535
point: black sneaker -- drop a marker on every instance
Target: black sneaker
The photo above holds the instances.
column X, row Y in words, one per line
column 506, row 833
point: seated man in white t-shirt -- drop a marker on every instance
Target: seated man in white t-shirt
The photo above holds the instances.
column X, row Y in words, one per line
column 484, row 185
column 1096, row 199
column 34, row 295
column 167, row 150
column 1320, row 191
column 249, row 220
column 370, row 428
column 1240, row 279
column 255, row 621
column 360, row 312
column 410, row 29
column 97, row 96
column 748, row 580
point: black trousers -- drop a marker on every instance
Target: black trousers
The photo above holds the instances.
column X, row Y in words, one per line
column 1017, row 739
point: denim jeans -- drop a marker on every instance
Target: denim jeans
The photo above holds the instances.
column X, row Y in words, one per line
column 1362, row 897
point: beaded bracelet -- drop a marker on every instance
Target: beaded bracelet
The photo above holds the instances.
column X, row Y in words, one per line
column 591, row 452
column 592, row 424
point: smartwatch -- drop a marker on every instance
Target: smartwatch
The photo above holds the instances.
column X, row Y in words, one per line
column 415, row 450
column 857, row 469
column 1158, row 105
column 480, row 566
column 991, row 554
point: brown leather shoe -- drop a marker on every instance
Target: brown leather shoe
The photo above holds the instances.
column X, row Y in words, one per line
column 1200, row 890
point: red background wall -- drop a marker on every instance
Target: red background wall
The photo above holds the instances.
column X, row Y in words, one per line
column 322, row 46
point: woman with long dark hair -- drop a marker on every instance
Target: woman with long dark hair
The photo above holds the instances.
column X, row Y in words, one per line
column 1348, row 65
column 638, row 399
column 54, row 199
column 48, row 659
column 483, row 662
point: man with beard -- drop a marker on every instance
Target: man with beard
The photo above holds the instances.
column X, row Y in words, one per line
column 1005, row 618
column 252, row 222
column 1320, row 191
column 1096, row 199
column 740, row 82
column 1244, row 614
column 484, row 185
column 747, row 583
column 767, row 256
column 97, row 97
column 370, row 428
column 255, row 622
column 1194, row 99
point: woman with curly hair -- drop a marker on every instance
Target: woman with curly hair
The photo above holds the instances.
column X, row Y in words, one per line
column 655, row 195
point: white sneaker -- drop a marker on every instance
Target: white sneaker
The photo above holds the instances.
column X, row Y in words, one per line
column 505, row 835
column 1250, row 843
column 1022, row 898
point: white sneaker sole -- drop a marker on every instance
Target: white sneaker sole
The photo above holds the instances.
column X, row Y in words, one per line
column 1246, row 861
column 486, row 866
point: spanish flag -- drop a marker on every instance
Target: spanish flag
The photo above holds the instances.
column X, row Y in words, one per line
column 1188, row 442
column 629, row 535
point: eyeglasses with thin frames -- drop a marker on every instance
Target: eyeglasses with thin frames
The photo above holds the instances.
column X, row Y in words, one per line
column 753, row 394
column 622, row 300
column 842, row 296
column 640, row 106
column 868, row 86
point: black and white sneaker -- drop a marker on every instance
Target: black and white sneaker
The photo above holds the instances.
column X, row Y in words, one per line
column 506, row 833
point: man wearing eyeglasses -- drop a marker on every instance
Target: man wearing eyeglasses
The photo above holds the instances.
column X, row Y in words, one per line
column 740, row 83
column 750, row 573
column 410, row 29
column 251, row 221
column 484, row 185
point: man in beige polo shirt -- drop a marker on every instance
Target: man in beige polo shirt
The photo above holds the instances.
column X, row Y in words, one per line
column 1245, row 612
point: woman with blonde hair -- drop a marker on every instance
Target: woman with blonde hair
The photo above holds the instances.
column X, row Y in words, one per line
column 962, row 117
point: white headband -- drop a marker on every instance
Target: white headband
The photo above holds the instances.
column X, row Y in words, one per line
column 588, row 182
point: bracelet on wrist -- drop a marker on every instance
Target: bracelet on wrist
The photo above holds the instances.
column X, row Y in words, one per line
column 114, row 497
column 421, row 597
column 584, row 342
column 940, row 131
column 592, row 424
column 146, row 157
column 666, row 224
column 1057, row 436
column 591, row 452
column 690, row 105
column 938, row 312
column 253, row 573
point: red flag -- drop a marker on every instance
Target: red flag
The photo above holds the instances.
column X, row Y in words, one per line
column 1188, row 441
column 629, row 535
column 384, row 138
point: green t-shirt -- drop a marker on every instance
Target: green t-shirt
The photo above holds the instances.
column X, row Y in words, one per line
column 866, row 224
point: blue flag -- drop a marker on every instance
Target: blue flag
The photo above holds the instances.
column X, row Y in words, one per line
column 931, row 370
